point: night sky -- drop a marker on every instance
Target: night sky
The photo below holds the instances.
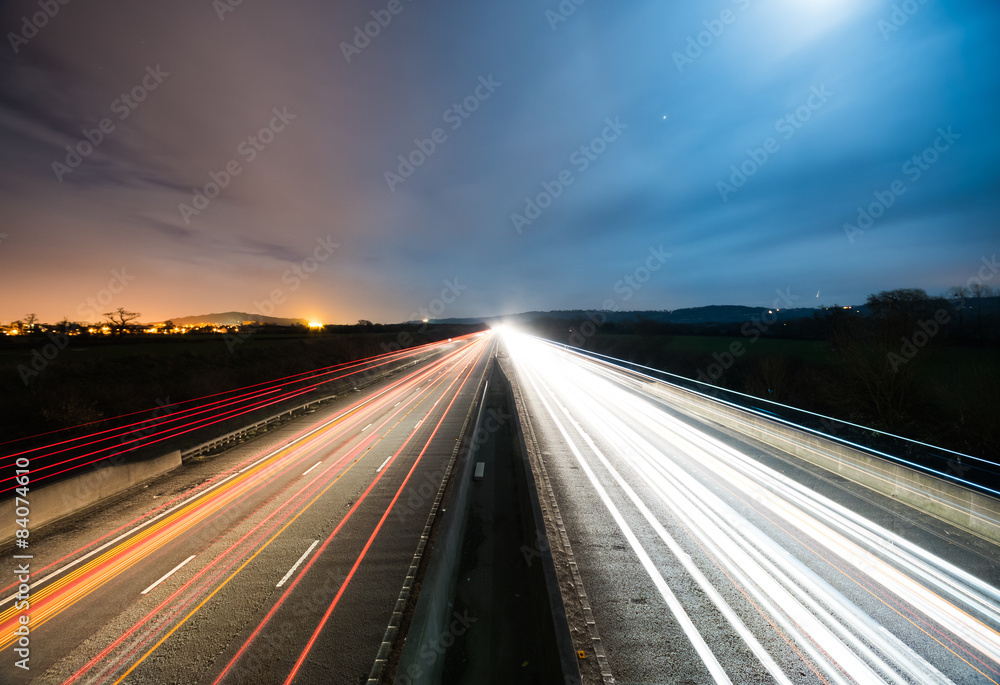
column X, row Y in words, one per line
column 711, row 152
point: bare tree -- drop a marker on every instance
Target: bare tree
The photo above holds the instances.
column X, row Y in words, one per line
column 120, row 319
column 959, row 293
column 979, row 291
column 29, row 321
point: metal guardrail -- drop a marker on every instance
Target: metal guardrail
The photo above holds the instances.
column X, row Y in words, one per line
column 969, row 471
column 240, row 434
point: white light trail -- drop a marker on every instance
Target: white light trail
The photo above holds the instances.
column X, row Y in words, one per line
column 675, row 475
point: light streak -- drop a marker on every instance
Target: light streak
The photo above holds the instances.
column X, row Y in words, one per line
column 662, row 467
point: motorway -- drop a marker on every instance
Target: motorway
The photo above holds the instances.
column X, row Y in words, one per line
column 279, row 561
column 706, row 558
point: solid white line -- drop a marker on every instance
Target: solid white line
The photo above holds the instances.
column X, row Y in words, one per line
column 383, row 464
column 312, row 467
column 175, row 570
column 297, row 563
column 709, row 659
column 727, row 611
column 366, row 428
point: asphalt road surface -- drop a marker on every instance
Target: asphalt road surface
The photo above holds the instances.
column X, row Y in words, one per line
column 278, row 561
column 708, row 558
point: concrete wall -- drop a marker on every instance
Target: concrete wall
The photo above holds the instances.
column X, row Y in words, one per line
column 960, row 506
column 234, row 437
column 432, row 612
column 53, row 502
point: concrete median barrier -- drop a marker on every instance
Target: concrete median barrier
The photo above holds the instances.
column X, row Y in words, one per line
column 973, row 511
column 58, row 500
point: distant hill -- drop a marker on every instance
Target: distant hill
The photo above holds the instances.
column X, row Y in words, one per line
column 233, row 318
column 693, row 315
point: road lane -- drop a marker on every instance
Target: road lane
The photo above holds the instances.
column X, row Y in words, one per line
column 92, row 624
column 704, row 563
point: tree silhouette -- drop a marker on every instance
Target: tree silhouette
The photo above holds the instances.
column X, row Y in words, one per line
column 29, row 321
column 120, row 319
column 902, row 307
column 959, row 292
column 979, row 291
column 869, row 382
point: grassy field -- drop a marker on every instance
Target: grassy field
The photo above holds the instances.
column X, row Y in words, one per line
column 102, row 348
column 814, row 351
column 94, row 378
